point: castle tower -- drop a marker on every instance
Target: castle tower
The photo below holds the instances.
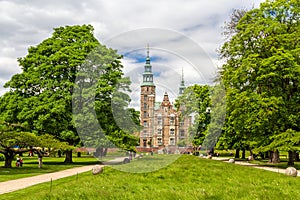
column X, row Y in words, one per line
column 147, row 101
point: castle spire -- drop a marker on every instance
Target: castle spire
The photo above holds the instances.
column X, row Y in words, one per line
column 147, row 50
column 182, row 85
column 148, row 75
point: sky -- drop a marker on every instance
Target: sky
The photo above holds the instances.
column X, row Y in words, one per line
column 183, row 35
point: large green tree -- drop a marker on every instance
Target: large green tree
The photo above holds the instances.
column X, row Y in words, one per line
column 100, row 103
column 196, row 101
column 261, row 74
column 40, row 97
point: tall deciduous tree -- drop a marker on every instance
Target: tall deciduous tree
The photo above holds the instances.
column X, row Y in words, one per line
column 100, row 103
column 262, row 73
column 41, row 96
column 196, row 100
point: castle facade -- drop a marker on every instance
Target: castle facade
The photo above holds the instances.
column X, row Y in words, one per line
column 161, row 123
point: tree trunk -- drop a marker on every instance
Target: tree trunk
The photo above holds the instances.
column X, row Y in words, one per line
column 59, row 153
column 40, row 160
column 8, row 161
column 297, row 157
column 274, row 157
column 291, row 158
column 68, row 158
column 105, row 152
column 244, row 154
column 237, row 153
column 9, row 156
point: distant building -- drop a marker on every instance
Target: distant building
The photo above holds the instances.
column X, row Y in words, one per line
column 162, row 126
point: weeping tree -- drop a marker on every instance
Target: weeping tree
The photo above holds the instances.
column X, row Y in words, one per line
column 14, row 140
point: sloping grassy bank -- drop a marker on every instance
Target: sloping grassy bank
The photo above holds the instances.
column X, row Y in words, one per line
column 187, row 178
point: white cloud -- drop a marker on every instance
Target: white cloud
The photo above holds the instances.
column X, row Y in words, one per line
column 119, row 24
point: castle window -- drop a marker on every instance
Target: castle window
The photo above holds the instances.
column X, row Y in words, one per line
column 145, row 106
column 145, row 113
column 181, row 123
column 172, row 119
column 181, row 133
column 145, row 133
column 159, row 120
column 172, row 141
column 145, row 97
column 159, row 131
column 159, row 141
column 144, row 143
column 145, row 124
column 172, row 131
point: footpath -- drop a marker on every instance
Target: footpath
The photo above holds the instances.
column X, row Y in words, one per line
column 13, row 185
column 272, row 169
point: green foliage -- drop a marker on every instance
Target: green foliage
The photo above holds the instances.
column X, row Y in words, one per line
column 286, row 141
column 100, row 102
column 13, row 141
column 2, row 158
column 196, row 100
column 40, row 97
column 261, row 75
column 11, row 138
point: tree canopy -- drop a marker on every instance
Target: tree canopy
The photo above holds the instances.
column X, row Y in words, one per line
column 40, row 97
column 261, row 74
column 196, row 101
column 14, row 139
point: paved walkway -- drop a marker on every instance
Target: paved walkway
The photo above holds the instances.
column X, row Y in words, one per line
column 273, row 169
column 13, row 185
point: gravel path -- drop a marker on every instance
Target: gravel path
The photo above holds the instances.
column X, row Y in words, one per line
column 13, row 185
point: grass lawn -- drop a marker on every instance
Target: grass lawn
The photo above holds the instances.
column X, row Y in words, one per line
column 50, row 164
column 188, row 177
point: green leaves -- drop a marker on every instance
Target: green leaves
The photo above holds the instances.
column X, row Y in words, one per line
column 196, row 100
column 42, row 93
column 261, row 73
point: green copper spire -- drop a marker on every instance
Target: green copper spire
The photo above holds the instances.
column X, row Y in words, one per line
column 182, row 86
column 147, row 75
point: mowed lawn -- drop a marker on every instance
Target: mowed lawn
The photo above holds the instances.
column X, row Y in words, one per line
column 188, row 177
column 50, row 164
